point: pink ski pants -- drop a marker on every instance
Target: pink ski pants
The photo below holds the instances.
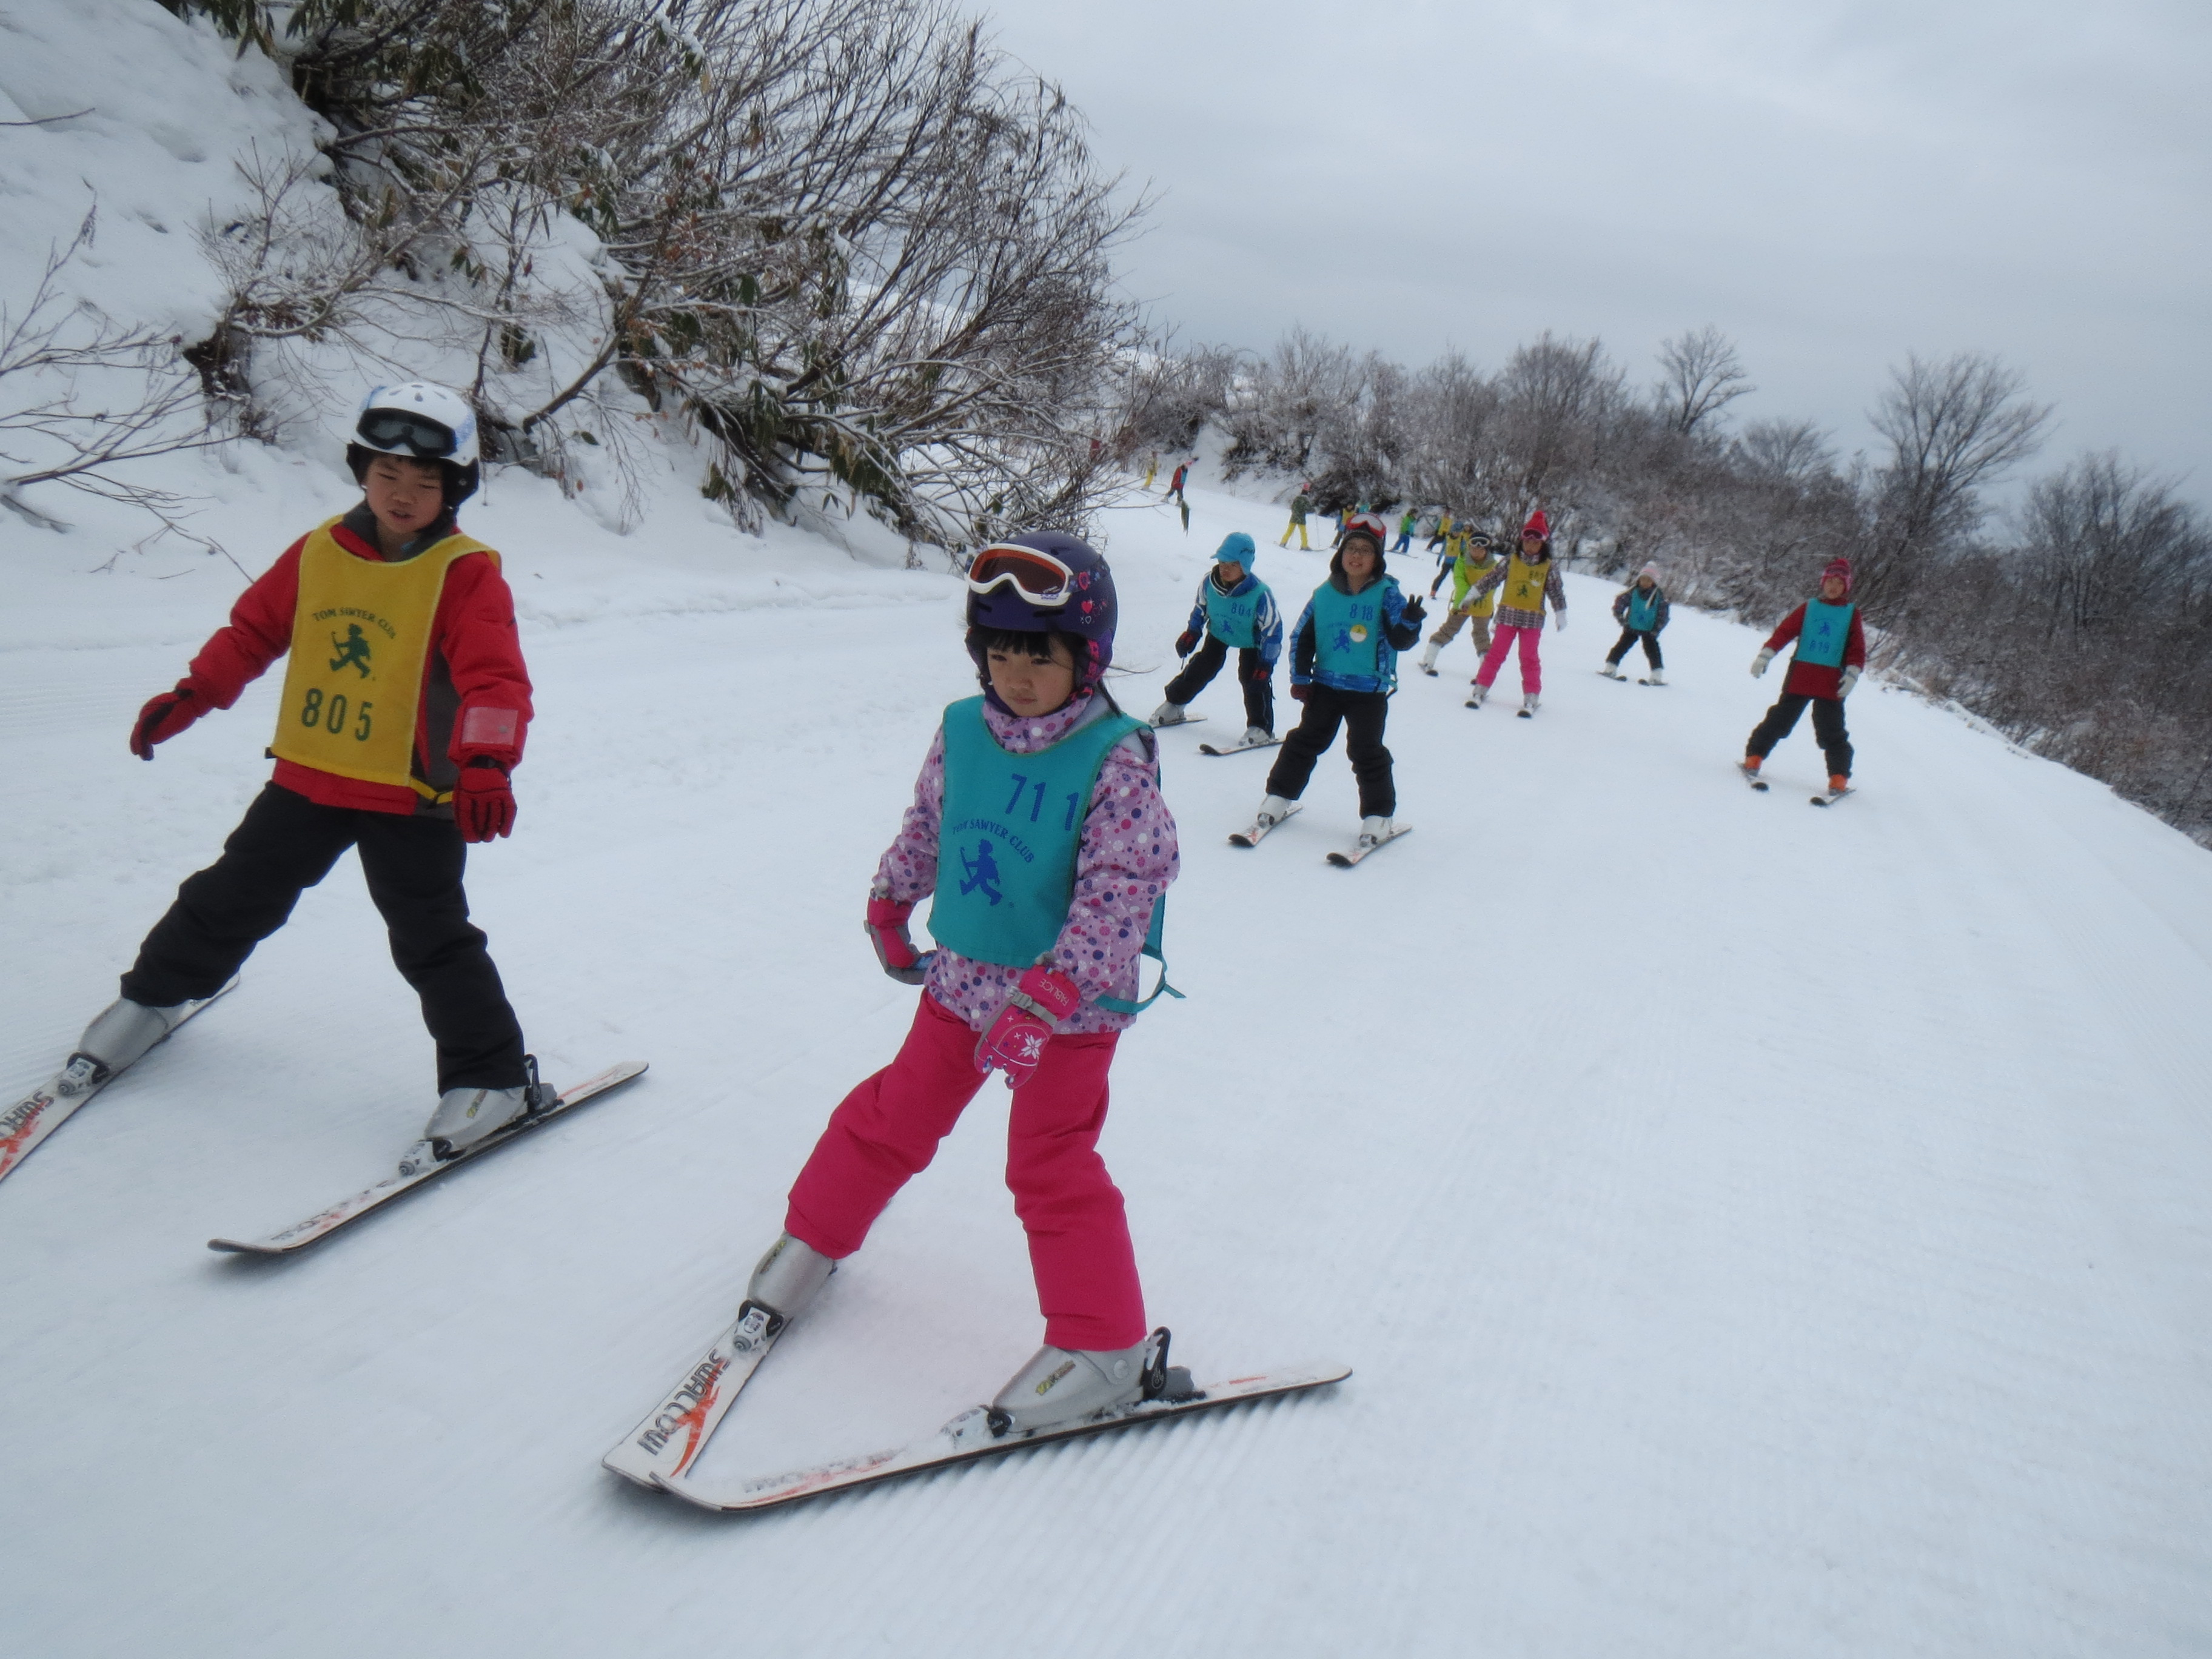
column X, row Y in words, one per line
column 886, row 1131
column 1532, row 666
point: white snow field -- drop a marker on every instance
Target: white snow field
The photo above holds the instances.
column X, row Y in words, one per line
column 1755, row 1229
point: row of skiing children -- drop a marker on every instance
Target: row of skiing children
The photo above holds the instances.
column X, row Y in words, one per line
column 399, row 738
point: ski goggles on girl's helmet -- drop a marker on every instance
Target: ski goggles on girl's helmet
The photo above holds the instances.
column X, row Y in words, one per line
column 389, row 431
column 1037, row 576
column 1366, row 524
column 422, row 419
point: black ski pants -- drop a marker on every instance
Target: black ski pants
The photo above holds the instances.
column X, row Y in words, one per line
column 1827, row 726
column 1629, row 636
column 285, row 844
column 1252, row 674
column 1362, row 714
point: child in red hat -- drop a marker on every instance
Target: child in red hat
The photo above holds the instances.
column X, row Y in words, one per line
column 1530, row 577
column 1830, row 652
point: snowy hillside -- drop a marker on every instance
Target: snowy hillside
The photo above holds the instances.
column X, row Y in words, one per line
column 1754, row 1230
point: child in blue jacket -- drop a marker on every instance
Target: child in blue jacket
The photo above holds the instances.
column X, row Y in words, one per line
column 1343, row 666
column 1641, row 610
column 1234, row 609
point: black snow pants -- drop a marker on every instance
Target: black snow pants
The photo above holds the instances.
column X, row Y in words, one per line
column 1827, row 727
column 287, row 843
column 1252, row 675
column 1362, row 713
column 1629, row 636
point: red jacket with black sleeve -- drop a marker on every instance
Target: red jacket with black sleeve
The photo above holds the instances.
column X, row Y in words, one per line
column 1814, row 679
column 475, row 696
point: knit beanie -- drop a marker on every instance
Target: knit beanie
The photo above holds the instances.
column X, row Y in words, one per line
column 1651, row 570
column 1538, row 526
column 1839, row 567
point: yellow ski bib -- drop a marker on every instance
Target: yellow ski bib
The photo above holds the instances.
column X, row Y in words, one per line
column 360, row 635
column 1524, row 585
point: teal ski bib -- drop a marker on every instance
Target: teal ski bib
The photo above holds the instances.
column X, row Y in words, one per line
column 1348, row 633
column 1643, row 608
column 1008, row 842
column 1233, row 618
column 1826, row 633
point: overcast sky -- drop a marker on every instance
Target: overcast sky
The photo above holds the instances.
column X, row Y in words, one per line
column 1832, row 185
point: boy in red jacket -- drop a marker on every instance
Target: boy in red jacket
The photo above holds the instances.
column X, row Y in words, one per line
column 1830, row 652
column 404, row 709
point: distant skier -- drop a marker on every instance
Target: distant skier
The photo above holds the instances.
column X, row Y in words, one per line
column 1343, row 666
column 1152, row 468
column 1174, row 484
column 1642, row 611
column 1301, row 504
column 1442, row 532
column 1234, row 609
column 1528, row 578
column 394, row 739
column 1035, row 975
column 1474, row 560
column 1830, row 652
column 1406, row 523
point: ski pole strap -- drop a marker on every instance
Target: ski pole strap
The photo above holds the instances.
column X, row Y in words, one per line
column 1153, row 936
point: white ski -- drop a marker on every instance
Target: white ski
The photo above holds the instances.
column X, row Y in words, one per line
column 46, row 1107
column 1168, row 725
column 1259, row 832
column 968, row 1436
column 413, row 1174
column 1829, row 799
column 1345, row 860
column 1751, row 777
column 1237, row 748
column 1662, row 684
column 662, row 1447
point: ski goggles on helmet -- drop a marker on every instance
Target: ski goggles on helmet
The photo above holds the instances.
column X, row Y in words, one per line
column 393, row 429
column 1038, row 577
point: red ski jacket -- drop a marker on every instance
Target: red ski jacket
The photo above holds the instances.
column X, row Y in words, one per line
column 475, row 661
column 1814, row 679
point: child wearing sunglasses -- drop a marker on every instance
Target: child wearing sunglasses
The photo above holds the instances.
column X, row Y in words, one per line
column 1038, row 833
column 404, row 709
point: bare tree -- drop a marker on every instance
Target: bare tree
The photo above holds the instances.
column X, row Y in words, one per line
column 1953, row 428
column 1702, row 376
column 82, row 398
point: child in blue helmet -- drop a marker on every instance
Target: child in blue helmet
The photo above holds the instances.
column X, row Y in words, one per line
column 1038, row 832
column 1234, row 609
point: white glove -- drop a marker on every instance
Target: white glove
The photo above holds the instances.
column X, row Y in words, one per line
column 1850, row 679
column 1759, row 664
column 1560, row 618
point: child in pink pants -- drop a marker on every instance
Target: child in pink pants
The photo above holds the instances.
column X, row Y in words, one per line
column 1041, row 912
column 1529, row 578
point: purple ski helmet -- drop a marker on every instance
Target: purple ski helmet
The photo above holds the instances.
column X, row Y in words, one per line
column 1045, row 581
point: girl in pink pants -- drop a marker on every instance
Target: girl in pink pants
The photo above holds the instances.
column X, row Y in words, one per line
column 1038, row 833
column 1529, row 578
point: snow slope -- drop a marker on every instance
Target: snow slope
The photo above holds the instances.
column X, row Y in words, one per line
column 1755, row 1229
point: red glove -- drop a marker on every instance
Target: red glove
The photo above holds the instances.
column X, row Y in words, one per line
column 1298, row 693
column 886, row 926
column 1186, row 642
column 1042, row 999
column 483, row 801
column 163, row 718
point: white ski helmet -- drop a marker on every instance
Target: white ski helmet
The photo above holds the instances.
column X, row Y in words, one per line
column 424, row 421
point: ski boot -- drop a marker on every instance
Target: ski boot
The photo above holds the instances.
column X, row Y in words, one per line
column 1657, row 677
column 1373, row 832
column 1837, row 783
column 466, row 1118
column 1611, row 670
column 1273, row 808
column 1476, row 693
column 1062, row 1387
column 1169, row 714
column 120, row 1037
column 1428, row 660
column 1531, row 702
column 1257, row 734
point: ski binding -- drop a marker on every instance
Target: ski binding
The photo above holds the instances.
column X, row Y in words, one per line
column 1237, row 748
column 1259, row 832
column 1345, row 860
column 420, row 1166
